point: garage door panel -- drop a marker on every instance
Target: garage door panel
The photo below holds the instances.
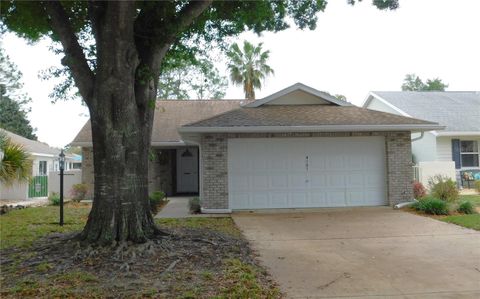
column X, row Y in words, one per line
column 279, row 181
column 297, row 180
column 298, row 199
column 278, row 199
column 355, row 179
column 306, row 172
column 335, row 198
column 318, row 180
column 240, row 183
column 336, row 180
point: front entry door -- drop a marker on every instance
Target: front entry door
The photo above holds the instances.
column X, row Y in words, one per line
column 187, row 170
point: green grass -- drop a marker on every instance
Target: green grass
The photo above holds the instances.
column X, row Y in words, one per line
column 223, row 225
column 468, row 221
column 242, row 282
column 21, row 227
column 474, row 199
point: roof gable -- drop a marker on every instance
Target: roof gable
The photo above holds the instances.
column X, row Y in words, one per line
column 298, row 94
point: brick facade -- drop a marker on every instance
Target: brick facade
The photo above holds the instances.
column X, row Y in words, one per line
column 214, row 161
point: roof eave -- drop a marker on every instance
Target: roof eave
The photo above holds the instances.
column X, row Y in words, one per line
column 323, row 128
column 458, row 133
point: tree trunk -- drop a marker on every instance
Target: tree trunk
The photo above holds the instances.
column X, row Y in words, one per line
column 121, row 141
column 121, row 116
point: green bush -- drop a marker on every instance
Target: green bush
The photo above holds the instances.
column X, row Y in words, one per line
column 79, row 192
column 466, row 207
column 477, row 185
column 194, row 204
column 156, row 198
column 54, row 199
column 431, row 206
column 443, row 188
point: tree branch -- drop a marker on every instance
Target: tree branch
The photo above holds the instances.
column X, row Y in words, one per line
column 188, row 14
column 74, row 57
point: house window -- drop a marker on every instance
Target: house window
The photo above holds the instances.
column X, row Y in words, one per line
column 42, row 168
column 469, row 153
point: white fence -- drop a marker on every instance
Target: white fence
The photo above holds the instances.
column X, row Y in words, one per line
column 425, row 170
column 70, row 178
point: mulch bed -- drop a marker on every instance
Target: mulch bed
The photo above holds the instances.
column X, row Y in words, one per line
column 189, row 261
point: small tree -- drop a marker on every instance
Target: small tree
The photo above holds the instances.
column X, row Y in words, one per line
column 13, row 101
column 413, row 82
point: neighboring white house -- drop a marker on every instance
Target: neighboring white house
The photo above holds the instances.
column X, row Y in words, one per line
column 446, row 152
column 44, row 158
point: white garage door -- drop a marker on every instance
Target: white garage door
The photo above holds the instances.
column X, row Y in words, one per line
column 306, row 172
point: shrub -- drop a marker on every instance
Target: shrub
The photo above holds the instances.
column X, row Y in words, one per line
column 466, row 207
column 477, row 186
column 419, row 190
column 443, row 188
column 79, row 192
column 431, row 206
column 156, row 198
column 54, row 199
column 194, row 204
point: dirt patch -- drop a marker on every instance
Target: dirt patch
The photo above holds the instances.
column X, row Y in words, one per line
column 190, row 263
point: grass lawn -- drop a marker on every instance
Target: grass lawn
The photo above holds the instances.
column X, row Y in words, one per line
column 474, row 199
column 469, row 221
column 203, row 258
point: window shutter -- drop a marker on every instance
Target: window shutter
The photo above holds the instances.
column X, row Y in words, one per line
column 456, row 153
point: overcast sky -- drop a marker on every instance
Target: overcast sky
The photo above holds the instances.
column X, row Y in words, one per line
column 354, row 49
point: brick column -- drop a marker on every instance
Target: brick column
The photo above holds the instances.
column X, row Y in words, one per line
column 214, row 171
column 399, row 167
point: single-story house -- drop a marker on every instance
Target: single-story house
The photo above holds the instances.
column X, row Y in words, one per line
column 297, row 148
column 450, row 151
column 44, row 159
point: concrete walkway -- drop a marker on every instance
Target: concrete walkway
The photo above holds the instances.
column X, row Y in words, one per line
column 365, row 253
column 177, row 207
column 33, row 202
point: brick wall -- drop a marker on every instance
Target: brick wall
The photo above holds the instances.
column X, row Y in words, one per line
column 214, row 193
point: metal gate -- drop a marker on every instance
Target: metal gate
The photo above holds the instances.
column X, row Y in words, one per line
column 38, row 186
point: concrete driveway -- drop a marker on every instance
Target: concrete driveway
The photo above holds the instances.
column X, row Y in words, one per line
column 365, row 252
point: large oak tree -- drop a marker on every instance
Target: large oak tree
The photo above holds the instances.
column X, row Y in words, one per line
column 114, row 52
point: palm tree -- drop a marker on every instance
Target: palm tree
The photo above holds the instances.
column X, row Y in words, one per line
column 15, row 163
column 248, row 67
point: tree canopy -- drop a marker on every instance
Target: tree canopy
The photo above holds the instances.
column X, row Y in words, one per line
column 413, row 82
column 13, row 100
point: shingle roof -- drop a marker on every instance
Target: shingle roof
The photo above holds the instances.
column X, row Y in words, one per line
column 32, row 146
column 170, row 115
column 305, row 115
column 458, row 110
